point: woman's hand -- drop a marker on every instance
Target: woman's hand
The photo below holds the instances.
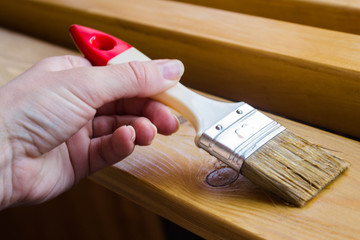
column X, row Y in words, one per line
column 63, row 119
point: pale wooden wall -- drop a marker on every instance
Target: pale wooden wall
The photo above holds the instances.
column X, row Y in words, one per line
column 339, row 15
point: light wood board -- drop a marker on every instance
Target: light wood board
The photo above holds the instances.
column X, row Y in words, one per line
column 308, row 74
column 169, row 178
column 337, row 15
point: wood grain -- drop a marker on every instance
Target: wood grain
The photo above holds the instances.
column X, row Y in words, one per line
column 337, row 15
column 305, row 73
column 170, row 178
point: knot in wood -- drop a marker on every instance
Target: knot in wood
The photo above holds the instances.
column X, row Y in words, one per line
column 222, row 177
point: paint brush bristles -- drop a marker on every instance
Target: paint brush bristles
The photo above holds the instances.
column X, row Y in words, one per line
column 292, row 168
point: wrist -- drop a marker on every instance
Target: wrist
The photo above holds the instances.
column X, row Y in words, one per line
column 6, row 156
column 6, row 174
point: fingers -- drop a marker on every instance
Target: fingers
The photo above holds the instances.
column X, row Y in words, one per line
column 107, row 150
column 159, row 114
column 99, row 85
column 109, row 146
column 145, row 131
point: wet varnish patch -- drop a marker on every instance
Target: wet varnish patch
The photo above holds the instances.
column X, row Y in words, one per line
column 222, row 177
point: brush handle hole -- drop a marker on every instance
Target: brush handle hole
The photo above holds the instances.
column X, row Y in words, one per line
column 102, row 42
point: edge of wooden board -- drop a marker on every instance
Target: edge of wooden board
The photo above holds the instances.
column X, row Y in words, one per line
column 331, row 14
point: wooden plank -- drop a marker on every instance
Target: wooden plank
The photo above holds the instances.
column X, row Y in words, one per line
column 336, row 15
column 305, row 73
column 169, row 178
column 92, row 212
column 88, row 211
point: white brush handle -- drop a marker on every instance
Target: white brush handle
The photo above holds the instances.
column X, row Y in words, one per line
column 202, row 112
column 189, row 104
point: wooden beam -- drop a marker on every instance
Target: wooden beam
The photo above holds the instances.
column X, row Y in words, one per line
column 172, row 178
column 305, row 73
column 336, row 15
column 88, row 211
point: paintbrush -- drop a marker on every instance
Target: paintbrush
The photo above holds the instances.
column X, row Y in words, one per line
column 242, row 137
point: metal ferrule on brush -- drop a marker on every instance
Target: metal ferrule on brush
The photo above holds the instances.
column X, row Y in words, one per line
column 238, row 135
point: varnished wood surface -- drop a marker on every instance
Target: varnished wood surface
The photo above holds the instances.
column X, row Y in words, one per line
column 337, row 15
column 171, row 178
column 305, row 73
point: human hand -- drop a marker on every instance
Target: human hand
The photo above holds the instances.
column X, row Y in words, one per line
column 63, row 119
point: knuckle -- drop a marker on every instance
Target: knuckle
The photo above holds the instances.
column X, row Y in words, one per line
column 75, row 61
column 139, row 72
column 64, row 62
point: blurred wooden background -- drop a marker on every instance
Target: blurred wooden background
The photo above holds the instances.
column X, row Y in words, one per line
column 87, row 211
column 298, row 67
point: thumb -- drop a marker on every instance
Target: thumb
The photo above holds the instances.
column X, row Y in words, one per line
column 99, row 85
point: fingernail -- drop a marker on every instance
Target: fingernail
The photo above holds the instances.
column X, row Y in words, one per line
column 177, row 123
column 171, row 69
column 133, row 133
column 155, row 128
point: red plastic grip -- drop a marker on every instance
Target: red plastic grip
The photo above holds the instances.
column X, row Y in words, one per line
column 98, row 47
